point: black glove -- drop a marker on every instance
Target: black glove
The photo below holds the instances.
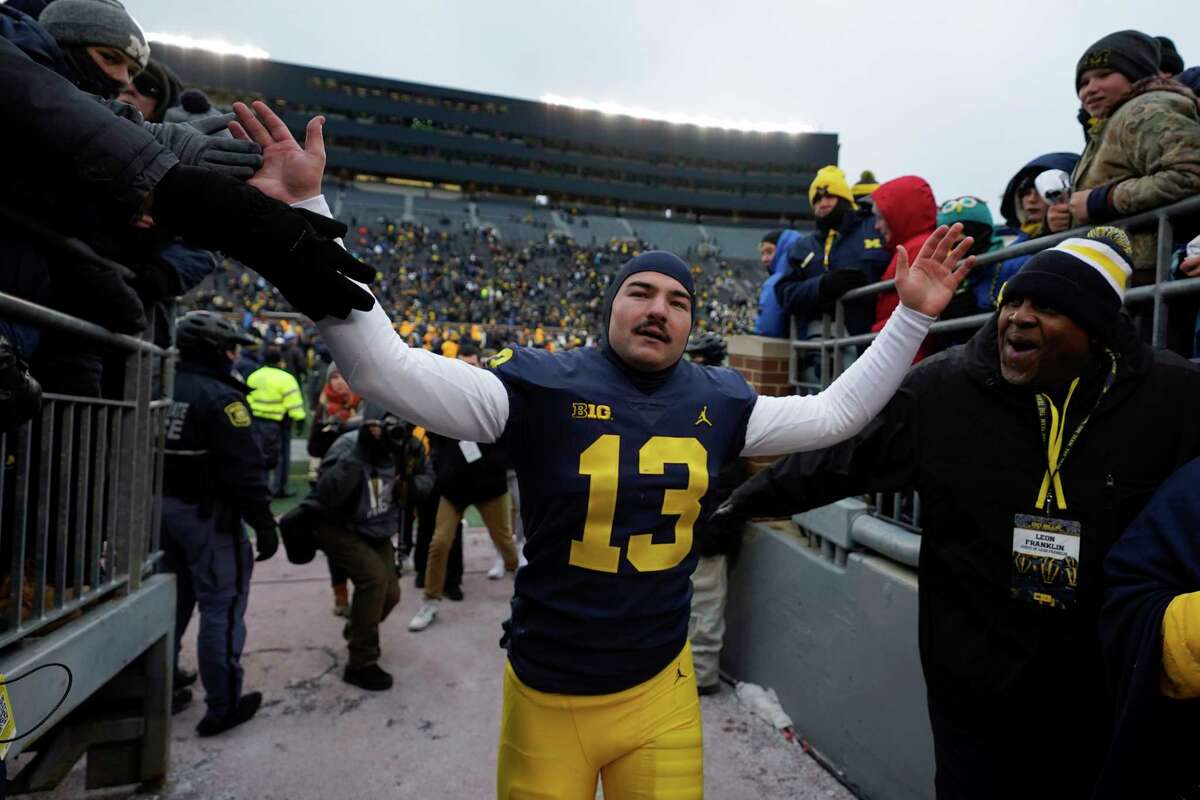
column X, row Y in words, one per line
column 20, row 393
column 835, row 284
column 292, row 248
column 728, row 515
column 194, row 146
column 100, row 293
column 266, row 542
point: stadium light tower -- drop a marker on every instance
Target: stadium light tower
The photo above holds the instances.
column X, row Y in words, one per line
column 218, row 46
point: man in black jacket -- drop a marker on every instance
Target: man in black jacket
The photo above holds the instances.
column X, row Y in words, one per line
column 355, row 501
column 58, row 142
column 1032, row 446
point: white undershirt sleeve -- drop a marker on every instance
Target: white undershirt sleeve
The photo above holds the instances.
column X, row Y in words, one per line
column 445, row 395
column 780, row 425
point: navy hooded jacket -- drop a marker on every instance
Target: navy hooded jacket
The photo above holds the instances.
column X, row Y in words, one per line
column 25, row 32
column 772, row 319
column 987, row 280
column 855, row 244
column 1157, row 558
column 1190, row 78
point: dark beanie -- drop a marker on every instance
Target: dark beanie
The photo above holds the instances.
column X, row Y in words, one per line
column 1131, row 53
column 772, row 236
column 659, row 261
column 1083, row 278
column 157, row 82
column 96, row 22
column 1170, row 61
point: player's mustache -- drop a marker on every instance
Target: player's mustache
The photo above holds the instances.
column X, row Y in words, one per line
column 655, row 329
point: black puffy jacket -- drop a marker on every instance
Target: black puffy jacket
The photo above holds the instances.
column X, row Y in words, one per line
column 971, row 444
column 73, row 165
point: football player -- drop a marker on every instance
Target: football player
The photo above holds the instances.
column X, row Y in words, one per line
column 614, row 448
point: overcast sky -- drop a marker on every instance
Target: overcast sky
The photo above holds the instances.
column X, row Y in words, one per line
column 960, row 94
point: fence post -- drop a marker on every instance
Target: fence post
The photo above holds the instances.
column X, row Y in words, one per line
column 1162, row 270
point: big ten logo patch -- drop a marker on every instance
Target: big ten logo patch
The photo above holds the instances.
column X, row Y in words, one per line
column 591, row 411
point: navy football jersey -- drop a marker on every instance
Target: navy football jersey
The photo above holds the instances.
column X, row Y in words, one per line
column 612, row 481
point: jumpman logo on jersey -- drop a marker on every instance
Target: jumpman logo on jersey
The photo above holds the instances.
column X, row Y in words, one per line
column 703, row 418
column 679, row 674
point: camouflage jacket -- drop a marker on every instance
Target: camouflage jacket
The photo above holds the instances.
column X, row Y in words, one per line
column 1148, row 152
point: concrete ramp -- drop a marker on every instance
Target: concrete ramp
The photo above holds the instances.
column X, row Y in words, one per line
column 434, row 734
column 838, row 643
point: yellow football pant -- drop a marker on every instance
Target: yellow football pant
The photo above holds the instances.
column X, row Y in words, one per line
column 645, row 743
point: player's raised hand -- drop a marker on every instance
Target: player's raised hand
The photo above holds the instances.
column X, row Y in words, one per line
column 289, row 172
column 928, row 284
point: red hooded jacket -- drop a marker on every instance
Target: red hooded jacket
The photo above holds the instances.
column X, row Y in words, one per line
column 908, row 207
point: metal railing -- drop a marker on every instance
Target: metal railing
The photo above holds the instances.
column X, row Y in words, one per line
column 80, row 483
column 836, row 347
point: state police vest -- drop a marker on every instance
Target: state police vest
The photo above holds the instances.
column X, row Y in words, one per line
column 612, row 482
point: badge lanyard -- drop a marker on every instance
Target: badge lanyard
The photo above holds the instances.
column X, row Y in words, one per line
column 1053, row 430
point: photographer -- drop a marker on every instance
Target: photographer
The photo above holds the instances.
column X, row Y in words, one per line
column 357, row 515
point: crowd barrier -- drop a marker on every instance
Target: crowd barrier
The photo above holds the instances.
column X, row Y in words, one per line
column 828, row 616
column 79, row 542
column 835, row 347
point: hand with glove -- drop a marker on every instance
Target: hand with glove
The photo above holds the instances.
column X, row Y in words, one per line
column 97, row 290
column 292, row 248
column 836, row 283
column 198, row 145
column 729, row 515
column 266, row 542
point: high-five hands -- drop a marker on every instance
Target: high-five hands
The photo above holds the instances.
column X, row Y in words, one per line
column 929, row 283
column 291, row 248
column 289, row 173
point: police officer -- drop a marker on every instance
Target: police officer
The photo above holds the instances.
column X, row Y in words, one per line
column 213, row 480
column 275, row 403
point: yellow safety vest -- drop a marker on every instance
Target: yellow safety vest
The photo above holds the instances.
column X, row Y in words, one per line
column 274, row 394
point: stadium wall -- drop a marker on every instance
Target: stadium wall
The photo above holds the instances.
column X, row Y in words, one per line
column 838, row 644
column 421, row 132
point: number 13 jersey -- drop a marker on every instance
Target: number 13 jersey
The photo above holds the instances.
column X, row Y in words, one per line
column 612, row 480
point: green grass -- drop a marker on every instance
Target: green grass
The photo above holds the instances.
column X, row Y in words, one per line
column 297, row 484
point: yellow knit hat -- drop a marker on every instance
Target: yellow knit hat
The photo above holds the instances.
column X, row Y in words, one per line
column 832, row 181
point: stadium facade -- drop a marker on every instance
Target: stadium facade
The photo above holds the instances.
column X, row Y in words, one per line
column 488, row 145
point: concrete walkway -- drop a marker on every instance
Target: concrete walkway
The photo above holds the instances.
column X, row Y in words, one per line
column 433, row 736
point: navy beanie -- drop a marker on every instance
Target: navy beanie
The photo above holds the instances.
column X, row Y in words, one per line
column 1084, row 278
column 659, row 261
